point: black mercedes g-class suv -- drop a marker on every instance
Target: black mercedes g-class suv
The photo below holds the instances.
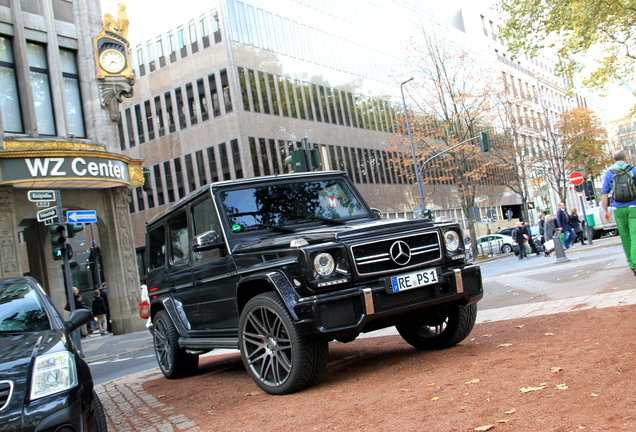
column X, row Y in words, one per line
column 279, row 266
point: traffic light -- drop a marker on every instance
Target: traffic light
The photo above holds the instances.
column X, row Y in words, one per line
column 71, row 229
column 484, row 141
column 58, row 241
column 590, row 193
column 303, row 160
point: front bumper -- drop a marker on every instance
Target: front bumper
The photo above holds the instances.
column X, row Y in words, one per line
column 347, row 313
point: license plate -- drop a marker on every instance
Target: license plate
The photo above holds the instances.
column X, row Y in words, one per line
column 413, row 280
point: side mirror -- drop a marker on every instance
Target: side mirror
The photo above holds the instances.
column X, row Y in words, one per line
column 78, row 318
column 207, row 241
column 377, row 213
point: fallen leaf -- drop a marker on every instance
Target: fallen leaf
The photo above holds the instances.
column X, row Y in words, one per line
column 251, row 394
column 484, row 428
column 515, row 293
column 486, row 320
column 473, row 381
column 615, row 288
column 436, row 398
column 561, row 386
column 575, row 275
column 556, row 369
column 531, row 389
column 519, row 326
column 488, row 335
column 405, row 390
column 549, row 334
column 558, row 279
column 504, row 345
column 594, row 395
column 430, row 384
column 511, row 290
column 512, row 411
column 502, row 421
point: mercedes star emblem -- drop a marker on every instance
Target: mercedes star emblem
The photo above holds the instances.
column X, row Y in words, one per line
column 400, row 253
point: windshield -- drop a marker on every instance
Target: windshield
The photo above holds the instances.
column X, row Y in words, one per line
column 280, row 205
column 21, row 309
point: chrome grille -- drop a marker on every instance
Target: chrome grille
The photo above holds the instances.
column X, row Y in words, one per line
column 374, row 257
column 6, row 388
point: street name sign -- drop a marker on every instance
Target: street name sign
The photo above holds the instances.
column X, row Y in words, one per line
column 83, row 216
column 48, row 213
column 576, row 178
column 41, row 195
column 42, row 204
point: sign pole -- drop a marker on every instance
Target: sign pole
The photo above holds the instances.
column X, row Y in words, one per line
column 68, row 280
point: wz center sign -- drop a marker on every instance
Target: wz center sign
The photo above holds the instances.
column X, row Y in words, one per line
column 83, row 168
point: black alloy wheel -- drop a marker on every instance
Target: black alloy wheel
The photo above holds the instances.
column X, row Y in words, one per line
column 173, row 360
column 277, row 356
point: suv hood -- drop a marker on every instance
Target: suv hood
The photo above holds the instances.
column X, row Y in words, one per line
column 334, row 233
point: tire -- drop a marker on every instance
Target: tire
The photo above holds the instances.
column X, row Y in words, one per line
column 506, row 248
column 278, row 357
column 173, row 360
column 98, row 414
column 449, row 328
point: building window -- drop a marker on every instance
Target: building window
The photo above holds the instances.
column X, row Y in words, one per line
column 255, row 158
column 120, row 130
column 140, row 60
column 159, row 185
column 201, row 167
column 9, row 98
column 172, row 47
column 236, row 156
column 38, row 68
column 169, row 185
column 225, row 85
column 272, row 89
column 192, row 104
column 72, row 95
column 161, row 51
column 129, row 126
column 141, row 206
column 140, row 124
column 214, row 174
column 203, row 101
column 178, row 173
column 159, row 114
column 150, row 52
column 205, row 31
column 180, row 108
column 252, row 83
column 192, row 30
column 151, row 199
column 192, row 184
column 149, row 122
column 216, row 108
column 243, row 84
column 182, row 41
column 224, row 160
column 168, row 99
column 261, row 79
column 216, row 30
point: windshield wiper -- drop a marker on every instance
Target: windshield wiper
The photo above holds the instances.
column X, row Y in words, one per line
column 274, row 227
column 318, row 218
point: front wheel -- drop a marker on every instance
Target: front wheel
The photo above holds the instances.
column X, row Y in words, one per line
column 506, row 248
column 173, row 360
column 441, row 330
column 98, row 412
column 278, row 357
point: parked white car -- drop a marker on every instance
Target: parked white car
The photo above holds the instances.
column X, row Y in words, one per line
column 494, row 243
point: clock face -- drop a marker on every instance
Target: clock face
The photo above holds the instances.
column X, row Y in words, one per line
column 112, row 61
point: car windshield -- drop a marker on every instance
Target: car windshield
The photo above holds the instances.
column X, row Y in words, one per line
column 21, row 309
column 280, row 205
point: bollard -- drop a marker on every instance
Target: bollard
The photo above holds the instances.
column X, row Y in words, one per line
column 559, row 250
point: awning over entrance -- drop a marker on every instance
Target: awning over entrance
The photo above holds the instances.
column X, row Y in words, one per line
column 66, row 165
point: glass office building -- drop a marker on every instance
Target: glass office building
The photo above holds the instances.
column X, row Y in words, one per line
column 230, row 93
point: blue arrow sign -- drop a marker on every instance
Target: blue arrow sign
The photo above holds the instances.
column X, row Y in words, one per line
column 83, row 216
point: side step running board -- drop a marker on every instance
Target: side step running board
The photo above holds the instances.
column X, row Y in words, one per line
column 208, row 343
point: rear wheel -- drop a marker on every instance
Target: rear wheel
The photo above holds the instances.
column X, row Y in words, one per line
column 173, row 360
column 443, row 330
column 278, row 357
column 506, row 248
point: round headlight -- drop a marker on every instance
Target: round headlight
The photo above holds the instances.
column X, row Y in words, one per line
column 324, row 264
column 452, row 240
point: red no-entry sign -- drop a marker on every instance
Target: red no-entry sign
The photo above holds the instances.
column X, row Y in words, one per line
column 576, row 178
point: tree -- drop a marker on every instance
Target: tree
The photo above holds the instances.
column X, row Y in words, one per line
column 452, row 101
column 574, row 28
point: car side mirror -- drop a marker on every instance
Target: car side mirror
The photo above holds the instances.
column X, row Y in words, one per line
column 377, row 213
column 207, row 241
column 78, row 318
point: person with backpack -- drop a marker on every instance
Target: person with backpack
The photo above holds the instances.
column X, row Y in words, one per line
column 619, row 181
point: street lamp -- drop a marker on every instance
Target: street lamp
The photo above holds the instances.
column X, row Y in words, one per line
column 418, row 177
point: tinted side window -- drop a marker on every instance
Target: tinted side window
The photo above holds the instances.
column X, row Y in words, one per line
column 204, row 217
column 179, row 238
column 156, row 247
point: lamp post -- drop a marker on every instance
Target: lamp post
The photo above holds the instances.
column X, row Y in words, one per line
column 418, row 177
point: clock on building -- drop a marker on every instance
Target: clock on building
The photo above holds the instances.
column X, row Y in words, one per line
column 112, row 61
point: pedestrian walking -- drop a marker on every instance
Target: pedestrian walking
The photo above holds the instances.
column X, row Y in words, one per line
column 541, row 226
column 575, row 223
column 619, row 181
column 99, row 311
column 550, row 231
column 527, row 231
column 564, row 223
column 517, row 236
column 103, row 291
column 79, row 304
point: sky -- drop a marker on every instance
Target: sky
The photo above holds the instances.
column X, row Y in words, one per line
column 150, row 18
